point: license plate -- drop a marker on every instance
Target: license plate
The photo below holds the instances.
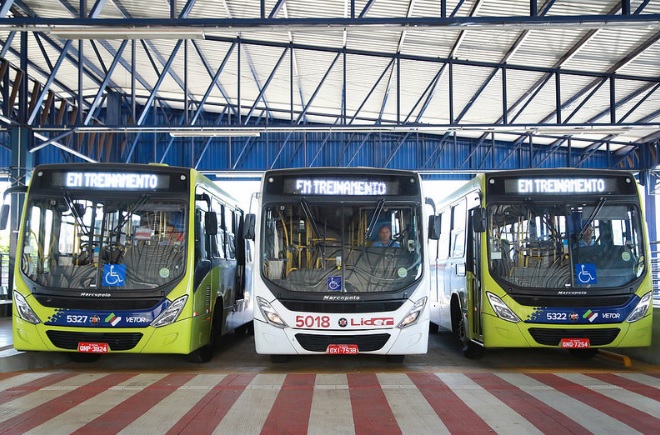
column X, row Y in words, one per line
column 575, row 343
column 93, row 347
column 343, row 349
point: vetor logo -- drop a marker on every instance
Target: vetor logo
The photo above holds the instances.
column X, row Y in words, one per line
column 590, row 315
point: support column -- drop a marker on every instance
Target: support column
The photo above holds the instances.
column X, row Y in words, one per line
column 21, row 166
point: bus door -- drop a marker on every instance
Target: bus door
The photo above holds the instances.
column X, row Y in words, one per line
column 476, row 228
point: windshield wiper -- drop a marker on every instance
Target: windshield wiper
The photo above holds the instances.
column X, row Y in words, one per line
column 374, row 219
column 591, row 217
column 310, row 218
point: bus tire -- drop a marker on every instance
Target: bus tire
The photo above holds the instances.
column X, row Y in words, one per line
column 470, row 349
column 201, row 355
column 246, row 329
column 395, row 359
column 84, row 358
column 204, row 354
column 279, row 359
column 584, row 353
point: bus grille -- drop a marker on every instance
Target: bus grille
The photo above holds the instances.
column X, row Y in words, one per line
column 116, row 341
column 319, row 343
column 342, row 307
column 552, row 337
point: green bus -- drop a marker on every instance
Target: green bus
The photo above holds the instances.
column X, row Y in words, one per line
column 128, row 258
column 553, row 258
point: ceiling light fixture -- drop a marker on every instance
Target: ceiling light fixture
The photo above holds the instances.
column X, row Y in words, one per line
column 91, row 32
column 215, row 133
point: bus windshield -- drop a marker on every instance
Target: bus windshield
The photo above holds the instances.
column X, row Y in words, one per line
column 342, row 247
column 538, row 245
column 94, row 242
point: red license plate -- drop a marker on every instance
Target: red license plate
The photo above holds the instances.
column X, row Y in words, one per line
column 575, row 343
column 93, row 347
column 343, row 349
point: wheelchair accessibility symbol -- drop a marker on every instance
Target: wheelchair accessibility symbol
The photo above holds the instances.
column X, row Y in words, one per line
column 114, row 275
column 586, row 273
column 334, row 283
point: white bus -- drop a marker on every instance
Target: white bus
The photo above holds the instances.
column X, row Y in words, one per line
column 325, row 283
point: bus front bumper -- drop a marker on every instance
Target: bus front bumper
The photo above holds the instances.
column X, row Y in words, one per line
column 170, row 339
column 270, row 340
column 499, row 333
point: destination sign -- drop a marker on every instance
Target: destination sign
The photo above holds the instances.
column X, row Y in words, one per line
column 555, row 186
column 560, row 185
column 112, row 180
column 330, row 186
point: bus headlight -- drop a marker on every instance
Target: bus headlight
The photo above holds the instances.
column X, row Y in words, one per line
column 500, row 308
column 270, row 314
column 641, row 309
column 24, row 310
column 413, row 314
column 171, row 313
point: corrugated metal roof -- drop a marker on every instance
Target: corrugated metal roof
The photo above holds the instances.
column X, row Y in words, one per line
column 531, row 55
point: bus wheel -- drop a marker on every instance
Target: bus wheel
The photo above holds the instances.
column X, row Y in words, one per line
column 583, row 353
column 279, row 359
column 201, row 355
column 85, row 358
column 398, row 359
column 247, row 329
column 205, row 353
column 470, row 349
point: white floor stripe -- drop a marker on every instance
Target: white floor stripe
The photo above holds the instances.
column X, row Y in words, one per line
column 20, row 380
column 331, row 411
column 413, row 413
column 171, row 409
column 492, row 410
column 651, row 381
column 591, row 418
column 96, row 406
column 30, row 401
column 250, row 411
column 617, row 393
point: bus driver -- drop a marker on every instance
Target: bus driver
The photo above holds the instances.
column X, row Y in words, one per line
column 385, row 238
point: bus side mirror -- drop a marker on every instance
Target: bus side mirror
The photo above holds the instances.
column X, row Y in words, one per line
column 4, row 211
column 434, row 227
column 479, row 219
column 249, row 225
column 4, row 216
column 211, row 223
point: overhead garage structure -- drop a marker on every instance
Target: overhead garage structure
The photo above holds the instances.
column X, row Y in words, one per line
column 230, row 86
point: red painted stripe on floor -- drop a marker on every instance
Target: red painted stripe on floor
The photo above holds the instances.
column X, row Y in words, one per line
column 371, row 411
column 454, row 413
column 209, row 411
column 32, row 386
column 46, row 411
column 627, row 384
column 292, row 407
column 544, row 417
column 620, row 411
column 130, row 409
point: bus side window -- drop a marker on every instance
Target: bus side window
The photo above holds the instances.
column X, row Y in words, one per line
column 230, row 243
column 219, row 242
column 200, row 245
column 443, row 242
column 458, row 219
